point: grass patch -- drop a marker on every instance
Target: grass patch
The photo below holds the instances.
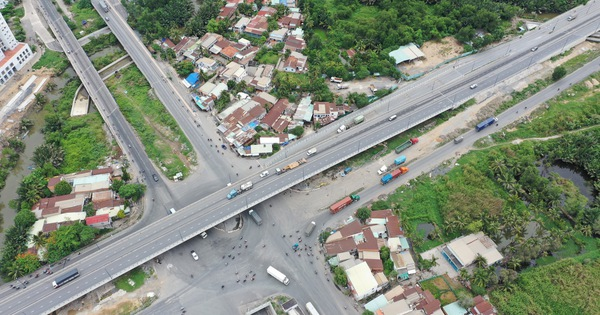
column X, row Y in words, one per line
column 137, row 275
column 100, row 63
column 271, row 57
column 163, row 140
column 93, row 20
column 443, row 288
column 52, row 60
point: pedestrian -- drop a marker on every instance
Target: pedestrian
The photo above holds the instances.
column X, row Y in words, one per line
column 226, row 264
column 264, row 245
column 246, row 246
column 286, row 254
column 222, row 286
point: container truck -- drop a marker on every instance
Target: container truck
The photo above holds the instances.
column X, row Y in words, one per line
column 358, row 119
column 488, row 122
column 72, row 274
column 246, row 186
column 399, row 160
column 310, row 228
column 393, row 175
column 255, row 217
column 311, row 151
column 406, row 145
column 234, row 192
column 290, row 166
column 311, row 309
column 103, row 5
column 338, row 206
column 278, row 275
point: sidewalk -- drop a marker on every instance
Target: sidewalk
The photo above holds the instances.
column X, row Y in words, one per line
column 33, row 24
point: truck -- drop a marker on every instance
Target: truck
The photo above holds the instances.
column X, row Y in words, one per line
column 342, row 86
column 310, row 228
column 336, row 80
column 290, row 166
column 338, row 206
column 234, row 192
column 382, row 170
column 488, row 122
column 103, row 5
column 406, row 145
column 246, row 186
column 278, row 275
column 255, row 217
column 399, row 160
column 373, row 88
column 341, row 129
column 393, row 175
column 72, row 274
column 358, row 119
column 311, row 151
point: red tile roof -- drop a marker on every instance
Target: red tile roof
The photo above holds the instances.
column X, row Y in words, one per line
column 97, row 219
column 226, row 13
column 393, row 227
column 266, row 11
column 376, row 265
column 381, row 214
column 351, row 53
column 369, row 243
column 280, row 124
column 275, row 112
column 351, row 229
column 482, row 307
column 106, row 170
column 49, row 227
column 10, row 53
column 108, row 203
column 341, row 246
column 229, row 52
column 73, row 209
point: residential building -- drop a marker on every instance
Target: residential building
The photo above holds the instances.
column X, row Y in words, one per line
column 101, row 221
column 227, row 12
column 328, row 109
column 267, row 11
column 257, row 26
column 13, row 55
column 218, row 90
column 206, row 88
column 278, row 35
column 245, row 54
column 56, row 205
column 241, row 24
column 463, row 251
column 207, row 64
column 291, row 21
column 239, row 120
column 166, row 43
column 361, row 281
column 233, row 71
column 209, row 39
column 293, row 43
column 295, row 63
column 183, row 45
column 274, row 114
column 228, row 52
column 482, row 307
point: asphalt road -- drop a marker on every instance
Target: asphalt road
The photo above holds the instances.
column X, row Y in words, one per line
column 114, row 258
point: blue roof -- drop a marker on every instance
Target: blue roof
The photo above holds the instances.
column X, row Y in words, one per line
column 454, row 309
column 404, row 243
column 376, row 303
column 193, row 78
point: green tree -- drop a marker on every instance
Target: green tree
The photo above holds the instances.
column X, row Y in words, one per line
column 62, row 188
column 184, row 68
column 32, row 189
column 67, row 239
column 89, row 210
column 231, row 84
column 39, row 240
column 363, row 214
column 116, row 185
column 559, row 73
column 25, row 218
column 297, row 131
column 27, row 263
column 367, row 312
column 340, row 277
column 132, row 191
column 49, row 153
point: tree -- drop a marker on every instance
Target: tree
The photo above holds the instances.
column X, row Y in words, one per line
column 49, row 153
column 340, row 277
column 25, row 219
column 40, row 100
column 62, row 188
column 132, row 191
column 27, row 263
column 116, row 185
column 89, row 210
column 32, row 189
column 297, row 131
column 367, row 312
column 480, row 261
column 363, row 214
column 231, row 84
column 184, row 68
column 559, row 73
column 39, row 240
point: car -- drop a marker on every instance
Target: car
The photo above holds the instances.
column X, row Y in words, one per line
column 264, row 174
column 392, row 117
column 571, row 17
column 473, row 86
column 203, row 235
column 155, row 177
column 106, row 18
column 534, row 48
column 194, row 255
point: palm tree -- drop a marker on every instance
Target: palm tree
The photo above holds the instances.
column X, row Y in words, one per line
column 14, row 271
column 480, row 261
column 39, row 240
column 513, row 264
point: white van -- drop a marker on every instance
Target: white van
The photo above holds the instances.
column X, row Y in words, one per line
column 172, row 211
column 392, row 117
column 311, row 151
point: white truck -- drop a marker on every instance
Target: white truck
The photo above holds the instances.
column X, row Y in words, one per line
column 382, row 170
column 246, row 186
column 341, row 129
column 278, row 275
column 311, row 151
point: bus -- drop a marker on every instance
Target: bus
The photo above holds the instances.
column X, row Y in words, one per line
column 311, row 309
column 72, row 274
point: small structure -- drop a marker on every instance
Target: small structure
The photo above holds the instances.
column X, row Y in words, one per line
column 101, row 221
column 463, row 251
column 406, row 53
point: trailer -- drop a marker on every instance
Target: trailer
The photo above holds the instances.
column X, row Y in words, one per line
column 290, row 166
column 486, row 123
column 406, row 145
column 338, row 206
column 255, row 217
column 393, row 175
column 72, row 274
column 246, row 186
column 399, row 160
column 278, row 275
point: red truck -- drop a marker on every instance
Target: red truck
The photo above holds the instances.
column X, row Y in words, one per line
column 338, row 206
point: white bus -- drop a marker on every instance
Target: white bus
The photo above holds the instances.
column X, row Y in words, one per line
column 311, row 309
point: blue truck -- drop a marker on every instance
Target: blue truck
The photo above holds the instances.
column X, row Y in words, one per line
column 233, row 193
column 488, row 122
column 399, row 160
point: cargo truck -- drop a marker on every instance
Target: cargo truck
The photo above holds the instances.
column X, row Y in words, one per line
column 278, row 275
column 406, row 145
column 311, row 151
column 338, row 206
column 358, row 119
column 72, row 274
column 393, row 175
column 310, row 228
column 290, row 166
column 255, row 217
column 246, row 186
column 399, row 160
column 341, row 129
column 103, row 5
column 488, row 122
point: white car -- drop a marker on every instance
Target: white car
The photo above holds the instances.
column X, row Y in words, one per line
column 194, row 255
column 203, row 235
column 473, row 86
column 392, row 117
column 264, row 174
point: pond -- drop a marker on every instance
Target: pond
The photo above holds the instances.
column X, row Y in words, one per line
column 572, row 173
column 424, row 229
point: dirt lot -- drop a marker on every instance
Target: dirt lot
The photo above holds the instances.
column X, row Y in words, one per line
column 435, row 52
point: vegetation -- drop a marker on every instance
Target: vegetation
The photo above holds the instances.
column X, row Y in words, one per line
column 62, row 188
column 560, row 288
column 101, row 62
column 9, row 157
column 339, row 276
column 152, row 122
column 85, row 19
column 53, row 60
column 99, row 43
column 558, row 73
column 363, row 214
column 137, row 275
column 68, row 239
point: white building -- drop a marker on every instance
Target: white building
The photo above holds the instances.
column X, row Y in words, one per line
column 13, row 55
column 361, row 281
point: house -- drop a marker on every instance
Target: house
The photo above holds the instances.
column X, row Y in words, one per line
column 293, row 43
column 482, row 307
column 463, row 251
column 290, row 21
column 351, row 53
column 246, row 53
column 295, row 63
column 102, row 221
column 267, row 11
column 361, row 281
column 274, row 113
column 183, row 45
column 328, row 109
column 239, row 121
column 209, row 39
column 278, row 35
column 207, row 64
column 167, row 44
column 304, row 111
column 228, row 52
column 233, row 71
column 227, row 12
column 206, row 88
column 257, row 26
column 218, row 90
column 241, row 24
column 56, row 205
